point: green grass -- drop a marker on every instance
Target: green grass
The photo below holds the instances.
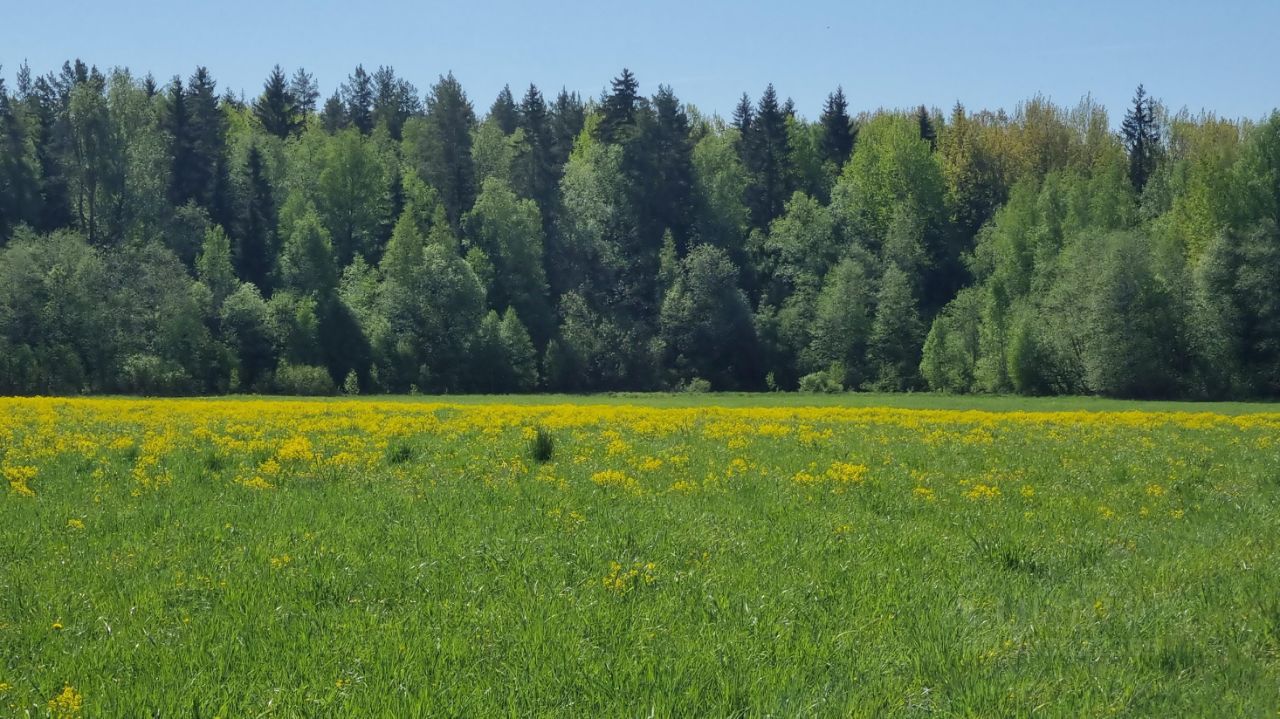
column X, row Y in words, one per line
column 902, row 400
column 417, row 561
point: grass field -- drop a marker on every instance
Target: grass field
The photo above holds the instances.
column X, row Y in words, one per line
column 675, row 555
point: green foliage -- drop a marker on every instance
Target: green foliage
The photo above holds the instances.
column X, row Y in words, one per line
column 828, row 381
column 629, row 243
column 894, row 343
column 213, row 266
column 303, row 380
column 706, row 322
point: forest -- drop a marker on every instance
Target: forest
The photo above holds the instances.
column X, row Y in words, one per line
column 165, row 238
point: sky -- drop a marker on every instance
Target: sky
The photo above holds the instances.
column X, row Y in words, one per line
column 990, row 54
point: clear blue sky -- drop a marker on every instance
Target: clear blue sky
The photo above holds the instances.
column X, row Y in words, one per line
column 986, row 53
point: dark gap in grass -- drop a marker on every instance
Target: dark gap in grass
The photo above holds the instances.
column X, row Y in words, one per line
column 541, row 445
column 399, row 454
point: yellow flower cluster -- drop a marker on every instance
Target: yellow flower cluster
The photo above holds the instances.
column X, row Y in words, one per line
column 622, row 579
column 67, row 704
column 617, row 479
column 20, row 479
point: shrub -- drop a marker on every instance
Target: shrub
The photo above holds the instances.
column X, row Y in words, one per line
column 827, row 381
column 149, row 374
column 304, row 380
column 697, row 384
column 351, row 385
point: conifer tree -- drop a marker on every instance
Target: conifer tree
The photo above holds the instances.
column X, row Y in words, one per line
column 394, row 101
column 927, row 131
column 305, row 92
column 334, row 115
column 537, row 178
column 567, row 119
column 618, row 108
column 277, row 108
column 503, row 111
column 357, row 99
column 444, row 149
column 768, row 160
column 837, row 130
column 255, row 223
column 1141, row 133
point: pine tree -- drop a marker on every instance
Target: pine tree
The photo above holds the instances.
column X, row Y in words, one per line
column 837, row 129
column 277, row 108
column 503, row 111
column 1141, row 134
column 395, row 100
column 357, row 99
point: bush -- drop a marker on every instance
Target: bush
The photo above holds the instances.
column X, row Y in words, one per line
column 304, row 380
column 351, row 385
column 697, row 384
column 149, row 374
column 827, row 381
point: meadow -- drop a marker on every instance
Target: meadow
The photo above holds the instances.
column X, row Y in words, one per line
column 633, row 556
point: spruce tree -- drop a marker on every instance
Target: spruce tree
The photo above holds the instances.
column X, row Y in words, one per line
column 538, row 178
column 277, row 108
column 255, row 223
column 671, row 192
column 503, row 111
column 927, row 131
column 768, row 160
column 196, row 122
column 618, row 109
column 567, row 119
column 445, row 149
column 743, row 115
column 837, row 130
column 305, row 92
column 1141, row 134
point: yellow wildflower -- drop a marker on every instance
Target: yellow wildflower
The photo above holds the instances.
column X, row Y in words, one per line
column 982, row 492
column 20, row 478
column 617, row 480
column 66, row 705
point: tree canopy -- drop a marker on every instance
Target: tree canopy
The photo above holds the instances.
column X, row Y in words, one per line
column 166, row 238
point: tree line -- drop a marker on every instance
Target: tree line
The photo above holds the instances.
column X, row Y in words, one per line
column 166, row 239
